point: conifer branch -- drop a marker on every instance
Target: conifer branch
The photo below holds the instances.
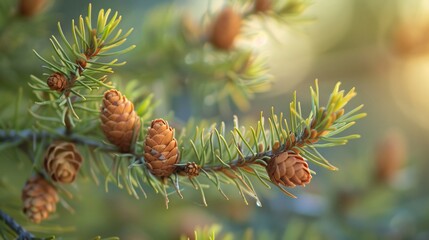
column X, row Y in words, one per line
column 75, row 69
column 16, row 227
column 225, row 157
column 25, row 136
column 67, row 101
column 241, row 152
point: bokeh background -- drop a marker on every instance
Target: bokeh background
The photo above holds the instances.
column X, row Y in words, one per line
column 380, row 191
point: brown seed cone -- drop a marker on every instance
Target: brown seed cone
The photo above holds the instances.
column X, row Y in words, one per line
column 30, row 8
column 411, row 38
column 276, row 147
column 225, row 29
column 192, row 169
column 289, row 169
column 119, row 121
column 390, row 156
column 39, row 197
column 262, row 5
column 62, row 161
column 161, row 151
column 57, row 81
column 82, row 64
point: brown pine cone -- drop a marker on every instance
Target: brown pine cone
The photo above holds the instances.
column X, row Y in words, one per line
column 262, row 5
column 29, row 8
column 62, row 161
column 119, row 121
column 289, row 169
column 225, row 29
column 161, row 151
column 57, row 81
column 390, row 156
column 192, row 169
column 39, row 197
column 82, row 64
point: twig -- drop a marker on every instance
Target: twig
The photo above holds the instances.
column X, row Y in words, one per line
column 18, row 229
column 67, row 122
column 29, row 135
column 238, row 163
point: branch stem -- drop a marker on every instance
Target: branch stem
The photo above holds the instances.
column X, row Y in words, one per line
column 239, row 163
column 29, row 135
column 67, row 122
column 18, row 229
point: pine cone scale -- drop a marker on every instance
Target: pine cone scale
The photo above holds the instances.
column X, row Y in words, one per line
column 160, row 148
column 172, row 153
column 158, row 138
column 170, row 147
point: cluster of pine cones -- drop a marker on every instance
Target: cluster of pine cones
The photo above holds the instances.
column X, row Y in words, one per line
column 61, row 162
column 121, row 126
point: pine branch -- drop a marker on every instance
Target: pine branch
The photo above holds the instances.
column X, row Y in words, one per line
column 230, row 156
column 75, row 69
column 223, row 157
column 16, row 227
column 69, row 97
column 25, row 136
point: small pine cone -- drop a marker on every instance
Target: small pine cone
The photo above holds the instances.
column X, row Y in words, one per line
column 192, row 169
column 82, row 64
column 39, row 197
column 225, row 29
column 57, row 81
column 276, row 147
column 161, row 151
column 119, row 121
column 30, row 8
column 262, row 5
column 289, row 169
column 62, row 162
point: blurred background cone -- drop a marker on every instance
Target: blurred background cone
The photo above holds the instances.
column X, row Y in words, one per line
column 390, row 156
column 40, row 198
column 62, row 162
column 225, row 29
